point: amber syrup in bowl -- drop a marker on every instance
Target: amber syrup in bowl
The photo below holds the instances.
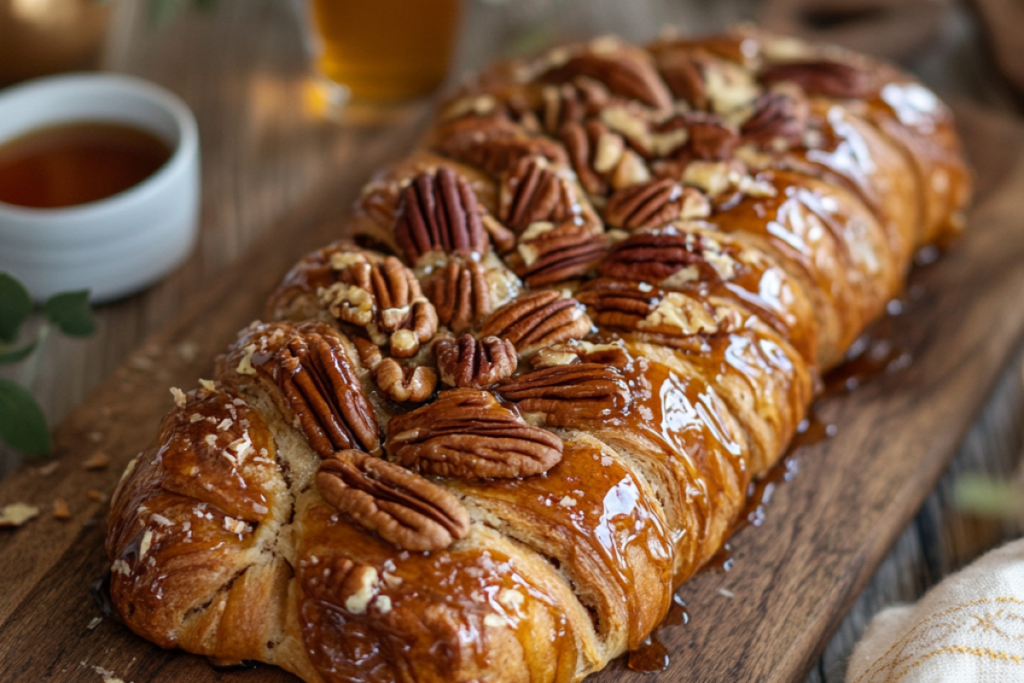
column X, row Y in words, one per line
column 77, row 163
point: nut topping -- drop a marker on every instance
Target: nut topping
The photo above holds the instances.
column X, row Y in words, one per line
column 639, row 307
column 532, row 191
column 439, row 211
column 548, row 254
column 568, row 393
column 622, row 71
column 534, row 320
column 325, row 395
column 683, row 75
column 777, row 116
column 460, row 292
column 654, row 205
column 475, row 363
column 671, row 259
column 494, row 145
column 601, row 157
column 405, row 384
column 468, row 434
column 822, row 77
column 401, row 506
column 384, row 299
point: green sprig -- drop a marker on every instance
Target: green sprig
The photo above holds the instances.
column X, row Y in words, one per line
column 23, row 425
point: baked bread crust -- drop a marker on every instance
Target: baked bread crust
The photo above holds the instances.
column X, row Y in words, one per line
column 598, row 303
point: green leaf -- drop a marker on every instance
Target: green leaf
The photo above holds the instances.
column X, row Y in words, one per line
column 22, row 423
column 988, row 497
column 71, row 313
column 15, row 305
column 11, row 354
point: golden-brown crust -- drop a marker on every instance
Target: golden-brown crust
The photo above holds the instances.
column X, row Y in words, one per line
column 648, row 256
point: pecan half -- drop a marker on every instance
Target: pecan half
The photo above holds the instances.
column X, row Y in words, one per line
column 475, row 363
column 384, row 299
column 622, row 71
column 401, row 506
column 567, row 394
column 572, row 102
column 548, row 254
column 342, row 582
column 648, row 310
column 822, row 77
column 325, row 395
column 439, row 211
column 710, row 139
column 670, row 258
column 534, row 320
column 533, row 191
column 777, row 116
column 405, row 384
column 655, row 204
column 468, row 434
column 460, row 293
column 684, row 76
column 494, row 146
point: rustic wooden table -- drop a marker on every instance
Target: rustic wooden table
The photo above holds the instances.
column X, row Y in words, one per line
column 266, row 151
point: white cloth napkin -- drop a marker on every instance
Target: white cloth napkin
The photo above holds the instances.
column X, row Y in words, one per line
column 969, row 628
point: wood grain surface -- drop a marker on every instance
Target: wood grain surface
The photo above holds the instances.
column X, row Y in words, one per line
column 279, row 177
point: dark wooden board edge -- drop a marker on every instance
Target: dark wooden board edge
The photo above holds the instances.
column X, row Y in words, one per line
column 795, row 576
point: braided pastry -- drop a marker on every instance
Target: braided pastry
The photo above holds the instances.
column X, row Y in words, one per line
column 489, row 439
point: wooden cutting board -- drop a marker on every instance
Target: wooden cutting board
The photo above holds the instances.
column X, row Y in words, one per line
column 794, row 576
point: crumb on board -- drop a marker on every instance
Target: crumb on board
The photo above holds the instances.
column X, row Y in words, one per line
column 726, row 593
column 16, row 514
column 97, row 461
column 96, row 496
column 48, row 469
column 61, row 509
column 96, row 621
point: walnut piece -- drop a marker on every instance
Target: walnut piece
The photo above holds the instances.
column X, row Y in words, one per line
column 534, row 320
column 475, row 363
column 385, row 300
column 401, row 506
column 405, row 384
column 468, row 434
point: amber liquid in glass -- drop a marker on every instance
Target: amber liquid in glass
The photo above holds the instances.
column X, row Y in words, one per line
column 77, row 163
column 385, row 50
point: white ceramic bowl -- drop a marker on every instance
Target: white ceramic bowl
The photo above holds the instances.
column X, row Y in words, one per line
column 120, row 244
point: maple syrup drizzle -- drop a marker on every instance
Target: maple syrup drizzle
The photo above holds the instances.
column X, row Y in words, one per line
column 652, row 655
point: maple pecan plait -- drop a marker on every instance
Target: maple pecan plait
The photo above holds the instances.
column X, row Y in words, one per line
column 488, row 439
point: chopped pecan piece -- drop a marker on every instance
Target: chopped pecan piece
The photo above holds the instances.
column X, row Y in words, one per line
column 460, row 292
column 822, row 77
column 405, row 384
column 777, row 116
column 342, row 582
column 532, row 191
column 468, row 434
column 401, row 506
column 710, row 139
column 384, row 299
column 439, row 211
column 548, row 254
column 475, row 363
column 622, row 71
column 601, row 157
column 534, row 320
column 567, row 394
column 325, row 395
column 655, row 204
